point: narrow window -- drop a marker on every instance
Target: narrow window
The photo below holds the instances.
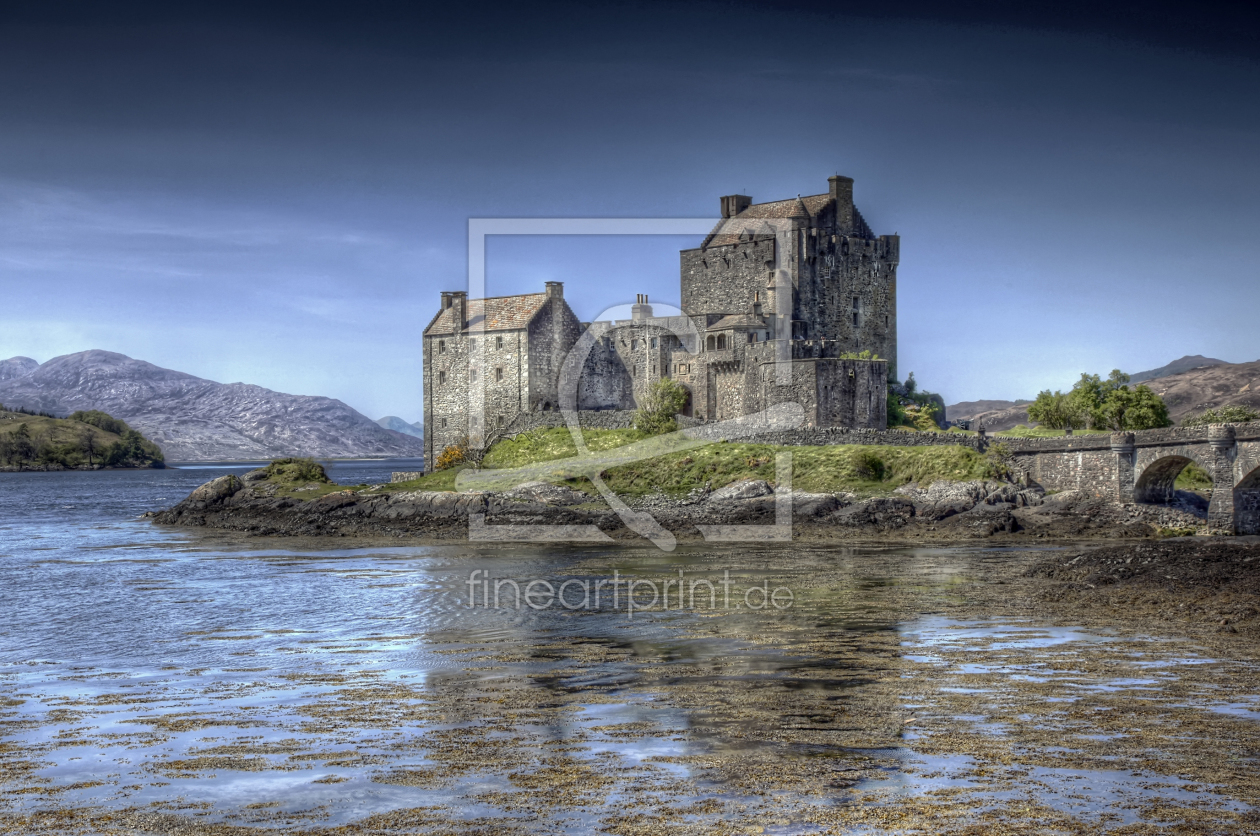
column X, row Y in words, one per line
column 855, row 319
column 441, row 378
column 653, row 371
column 472, row 344
column 498, row 343
column 885, row 320
column 498, row 373
column 654, row 342
column 472, row 375
column 499, row 421
column 709, row 343
column 634, row 371
column 441, row 346
column 634, row 345
column 443, row 423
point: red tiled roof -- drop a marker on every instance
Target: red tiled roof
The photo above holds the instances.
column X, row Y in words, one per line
column 499, row 313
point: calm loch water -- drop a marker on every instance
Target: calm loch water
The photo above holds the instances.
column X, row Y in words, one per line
column 154, row 679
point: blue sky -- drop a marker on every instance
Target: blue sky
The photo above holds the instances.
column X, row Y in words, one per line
column 278, row 198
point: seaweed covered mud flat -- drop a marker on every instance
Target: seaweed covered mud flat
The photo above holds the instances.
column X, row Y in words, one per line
column 944, row 511
column 959, row 690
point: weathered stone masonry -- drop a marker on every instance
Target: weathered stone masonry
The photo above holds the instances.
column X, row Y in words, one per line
column 838, row 286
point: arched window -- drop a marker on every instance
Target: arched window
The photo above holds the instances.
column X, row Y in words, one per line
column 721, row 342
column 709, row 343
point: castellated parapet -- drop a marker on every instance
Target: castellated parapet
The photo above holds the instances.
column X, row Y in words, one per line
column 838, row 283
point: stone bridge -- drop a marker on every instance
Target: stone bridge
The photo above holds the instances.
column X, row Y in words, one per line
column 1143, row 466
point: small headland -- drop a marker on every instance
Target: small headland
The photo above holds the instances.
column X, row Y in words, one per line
column 86, row 440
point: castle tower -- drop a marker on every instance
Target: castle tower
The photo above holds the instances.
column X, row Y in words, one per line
column 843, row 277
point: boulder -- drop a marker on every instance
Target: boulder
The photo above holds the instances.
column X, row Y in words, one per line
column 744, row 489
column 881, row 512
column 546, row 493
column 216, row 490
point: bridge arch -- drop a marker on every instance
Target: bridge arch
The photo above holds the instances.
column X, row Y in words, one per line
column 1247, row 504
column 1156, row 482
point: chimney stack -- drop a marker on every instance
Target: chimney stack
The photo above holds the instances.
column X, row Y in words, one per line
column 641, row 309
column 459, row 301
column 555, row 290
column 733, row 204
column 842, row 193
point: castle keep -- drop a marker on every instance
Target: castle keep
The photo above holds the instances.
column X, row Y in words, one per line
column 778, row 300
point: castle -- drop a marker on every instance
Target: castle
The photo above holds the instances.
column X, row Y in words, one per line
column 778, row 301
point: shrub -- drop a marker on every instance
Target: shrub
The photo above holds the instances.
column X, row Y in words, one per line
column 921, row 417
column 302, row 470
column 896, row 413
column 868, row 466
column 451, row 456
column 998, row 459
column 1228, row 414
column 665, row 399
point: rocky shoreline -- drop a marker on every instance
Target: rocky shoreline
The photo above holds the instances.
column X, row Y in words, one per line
column 943, row 511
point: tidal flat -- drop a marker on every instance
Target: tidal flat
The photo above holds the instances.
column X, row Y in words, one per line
column 176, row 683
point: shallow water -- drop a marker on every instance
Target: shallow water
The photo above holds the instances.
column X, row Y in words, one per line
column 153, row 672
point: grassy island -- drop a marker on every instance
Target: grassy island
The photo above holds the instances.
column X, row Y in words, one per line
column 89, row 439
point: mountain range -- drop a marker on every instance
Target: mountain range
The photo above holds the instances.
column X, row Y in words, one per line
column 194, row 419
column 1188, row 386
column 398, row 425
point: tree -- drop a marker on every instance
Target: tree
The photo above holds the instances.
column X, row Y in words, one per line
column 87, row 443
column 665, row 399
column 1133, row 409
column 1091, row 392
column 1058, row 411
column 23, row 447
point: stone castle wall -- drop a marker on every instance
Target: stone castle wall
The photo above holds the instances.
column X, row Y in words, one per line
column 723, row 279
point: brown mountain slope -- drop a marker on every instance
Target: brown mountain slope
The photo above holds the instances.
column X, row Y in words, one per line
column 1187, row 394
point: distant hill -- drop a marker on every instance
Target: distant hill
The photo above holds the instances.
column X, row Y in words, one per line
column 17, row 367
column 1191, row 392
column 969, row 409
column 194, row 419
column 398, row 425
column 1202, row 384
column 1185, row 364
